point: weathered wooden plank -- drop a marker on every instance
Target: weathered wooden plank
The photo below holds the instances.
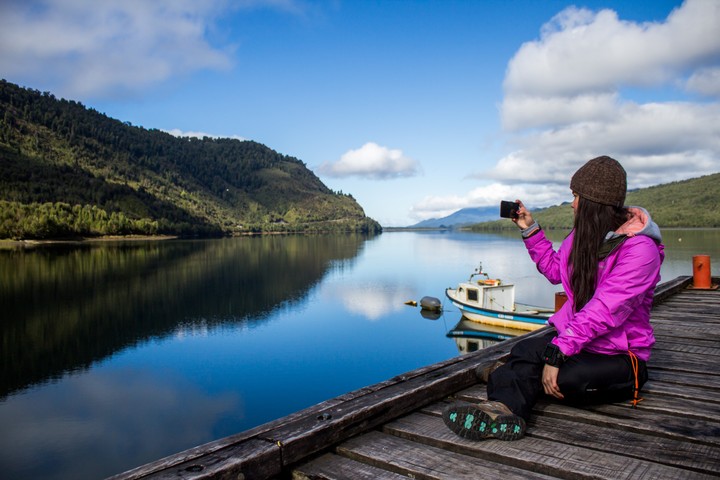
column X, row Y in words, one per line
column 697, row 311
column 664, row 338
column 701, row 308
column 711, row 351
column 679, row 319
column 683, row 319
column 537, row 455
column 691, row 379
column 698, row 458
column 691, row 292
column 672, row 326
column 684, row 362
column 690, row 295
column 691, row 409
column 249, row 459
column 669, row 288
column 680, row 316
column 705, row 304
column 417, row 460
column 657, row 388
column 684, row 420
column 642, row 419
column 690, row 337
column 687, row 335
column 335, row 467
column 476, row 393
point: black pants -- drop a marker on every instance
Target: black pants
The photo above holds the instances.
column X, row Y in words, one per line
column 584, row 379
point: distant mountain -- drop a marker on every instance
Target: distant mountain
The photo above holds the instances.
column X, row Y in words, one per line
column 68, row 171
column 463, row 217
column 692, row 203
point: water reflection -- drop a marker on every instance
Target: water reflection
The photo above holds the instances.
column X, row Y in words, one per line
column 123, row 407
column 371, row 300
column 68, row 306
column 473, row 336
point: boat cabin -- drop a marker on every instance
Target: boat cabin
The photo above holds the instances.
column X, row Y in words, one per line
column 488, row 294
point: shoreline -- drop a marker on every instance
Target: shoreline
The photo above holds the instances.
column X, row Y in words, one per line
column 6, row 243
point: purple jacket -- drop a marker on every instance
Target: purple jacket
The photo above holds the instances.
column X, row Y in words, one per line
column 617, row 317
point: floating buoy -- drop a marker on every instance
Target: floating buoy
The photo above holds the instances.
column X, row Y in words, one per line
column 430, row 303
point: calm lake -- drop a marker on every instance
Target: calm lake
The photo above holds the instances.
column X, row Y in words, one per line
column 117, row 354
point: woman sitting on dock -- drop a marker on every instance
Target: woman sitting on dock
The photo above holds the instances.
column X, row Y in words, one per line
column 597, row 351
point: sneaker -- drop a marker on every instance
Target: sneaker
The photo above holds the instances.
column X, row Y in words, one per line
column 484, row 420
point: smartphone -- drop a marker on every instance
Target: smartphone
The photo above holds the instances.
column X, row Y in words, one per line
column 509, row 209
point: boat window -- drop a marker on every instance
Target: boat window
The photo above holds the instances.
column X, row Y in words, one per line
column 472, row 346
column 472, row 295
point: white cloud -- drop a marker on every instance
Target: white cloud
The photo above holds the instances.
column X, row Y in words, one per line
column 85, row 48
column 438, row 207
column 566, row 97
column 580, row 51
column 638, row 135
column 528, row 111
column 705, row 81
column 567, row 101
column 372, row 161
column 583, row 59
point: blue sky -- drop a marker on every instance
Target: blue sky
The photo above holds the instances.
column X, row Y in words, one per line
column 416, row 108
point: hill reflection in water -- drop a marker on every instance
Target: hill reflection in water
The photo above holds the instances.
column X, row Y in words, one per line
column 67, row 306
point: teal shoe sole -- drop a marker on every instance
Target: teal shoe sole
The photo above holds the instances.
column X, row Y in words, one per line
column 468, row 421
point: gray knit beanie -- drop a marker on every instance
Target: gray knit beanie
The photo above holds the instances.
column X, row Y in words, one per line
column 602, row 180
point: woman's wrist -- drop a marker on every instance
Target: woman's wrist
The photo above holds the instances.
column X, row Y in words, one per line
column 531, row 230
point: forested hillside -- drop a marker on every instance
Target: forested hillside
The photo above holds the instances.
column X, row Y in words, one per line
column 693, row 203
column 67, row 171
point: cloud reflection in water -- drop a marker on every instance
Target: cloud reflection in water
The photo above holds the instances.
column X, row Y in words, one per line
column 372, row 300
column 139, row 415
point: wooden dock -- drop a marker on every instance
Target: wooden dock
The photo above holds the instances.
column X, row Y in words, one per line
column 393, row 429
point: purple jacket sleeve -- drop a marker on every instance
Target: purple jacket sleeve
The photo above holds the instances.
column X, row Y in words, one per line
column 545, row 257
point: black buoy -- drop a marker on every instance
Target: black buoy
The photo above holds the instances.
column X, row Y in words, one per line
column 430, row 303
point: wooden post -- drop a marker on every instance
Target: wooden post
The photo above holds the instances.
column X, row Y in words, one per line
column 560, row 299
column 701, row 271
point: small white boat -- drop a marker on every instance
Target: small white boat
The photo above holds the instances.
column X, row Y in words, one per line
column 492, row 302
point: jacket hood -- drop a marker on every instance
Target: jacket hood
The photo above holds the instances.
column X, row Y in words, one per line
column 639, row 223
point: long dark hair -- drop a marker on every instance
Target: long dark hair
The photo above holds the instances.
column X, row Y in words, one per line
column 593, row 221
